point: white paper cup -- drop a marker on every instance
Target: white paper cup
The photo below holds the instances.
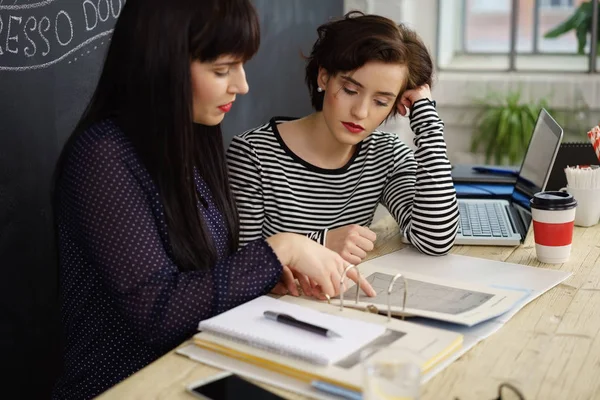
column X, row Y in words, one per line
column 553, row 216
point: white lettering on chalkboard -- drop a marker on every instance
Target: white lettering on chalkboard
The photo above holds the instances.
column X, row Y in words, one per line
column 30, row 39
column 12, row 38
column 1, row 26
column 101, row 3
column 46, row 29
column 61, row 12
column 114, row 13
column 86, row 8
column 27, row 51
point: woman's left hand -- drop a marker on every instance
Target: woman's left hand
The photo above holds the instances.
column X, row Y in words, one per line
column 410, row 97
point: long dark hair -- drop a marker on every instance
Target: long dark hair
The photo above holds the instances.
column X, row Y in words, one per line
column 145, row 87
column 346, row 44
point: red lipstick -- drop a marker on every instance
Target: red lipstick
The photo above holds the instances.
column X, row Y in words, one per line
column 353, row 128
column 226, row 107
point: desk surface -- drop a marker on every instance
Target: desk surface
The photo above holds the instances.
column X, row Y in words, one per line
column 550, row 349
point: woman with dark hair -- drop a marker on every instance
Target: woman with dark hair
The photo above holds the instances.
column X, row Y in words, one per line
column 147, row 226
column 324, row 175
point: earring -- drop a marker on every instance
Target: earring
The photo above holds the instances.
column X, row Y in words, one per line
column 319, row 89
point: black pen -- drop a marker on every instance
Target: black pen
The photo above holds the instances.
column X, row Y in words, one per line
column 291, row 321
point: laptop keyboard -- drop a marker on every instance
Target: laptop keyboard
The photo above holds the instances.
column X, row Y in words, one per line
column 482, row 219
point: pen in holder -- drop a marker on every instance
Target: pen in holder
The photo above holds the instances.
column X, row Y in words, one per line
column 594, row 136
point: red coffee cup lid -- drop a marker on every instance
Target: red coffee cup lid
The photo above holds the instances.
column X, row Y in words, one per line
column 553, row 201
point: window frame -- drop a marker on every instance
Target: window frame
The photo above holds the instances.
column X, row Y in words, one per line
column 513, row 54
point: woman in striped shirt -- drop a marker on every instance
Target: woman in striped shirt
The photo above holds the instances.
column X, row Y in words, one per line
column 324, row 175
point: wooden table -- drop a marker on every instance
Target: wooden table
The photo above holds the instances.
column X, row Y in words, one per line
column 550, row 349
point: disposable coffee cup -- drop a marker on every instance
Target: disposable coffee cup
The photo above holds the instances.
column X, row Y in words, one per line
column 553, row 216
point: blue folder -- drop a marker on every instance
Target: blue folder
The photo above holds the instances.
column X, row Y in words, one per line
column 335, row 390
column 483, row 190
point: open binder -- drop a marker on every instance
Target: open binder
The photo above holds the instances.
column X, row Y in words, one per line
column 431, row 344
column 427, row 296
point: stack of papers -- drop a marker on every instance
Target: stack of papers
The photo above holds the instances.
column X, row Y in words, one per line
column 244, row 335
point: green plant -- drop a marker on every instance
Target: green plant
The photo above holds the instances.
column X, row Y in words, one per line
column 504, row 126
column 581, row 22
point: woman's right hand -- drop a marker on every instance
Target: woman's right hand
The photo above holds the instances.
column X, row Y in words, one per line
column 352, row 242
column 309, row 259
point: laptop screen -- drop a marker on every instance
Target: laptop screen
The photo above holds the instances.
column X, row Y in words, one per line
column 537, row 163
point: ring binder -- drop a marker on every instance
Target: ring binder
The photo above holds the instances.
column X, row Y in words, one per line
column 371, row 307
column 389, row 298
column 348, row 268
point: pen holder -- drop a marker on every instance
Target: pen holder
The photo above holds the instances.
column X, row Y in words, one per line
column 583, row 183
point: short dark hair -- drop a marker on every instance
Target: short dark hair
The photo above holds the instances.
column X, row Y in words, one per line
column 349, row 43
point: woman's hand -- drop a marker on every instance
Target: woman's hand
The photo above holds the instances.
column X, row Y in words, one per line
column 352, row 242
column 309, row 261
column 410, row 97
column 286, row 284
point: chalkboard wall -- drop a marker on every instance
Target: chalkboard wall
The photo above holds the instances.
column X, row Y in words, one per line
column 51, row 54
column 276, row 74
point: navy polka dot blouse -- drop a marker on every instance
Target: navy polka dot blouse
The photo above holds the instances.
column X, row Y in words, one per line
column 124, row 301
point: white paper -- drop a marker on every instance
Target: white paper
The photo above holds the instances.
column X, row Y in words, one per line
column 472, row 270
column 247, row 323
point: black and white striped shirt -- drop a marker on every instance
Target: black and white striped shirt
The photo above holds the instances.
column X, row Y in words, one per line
column 277, row 191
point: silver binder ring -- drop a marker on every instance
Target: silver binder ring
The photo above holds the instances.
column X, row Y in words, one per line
column 389, row 296
column 348, row 268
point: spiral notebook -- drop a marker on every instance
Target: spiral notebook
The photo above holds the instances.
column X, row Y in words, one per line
column 247, row 324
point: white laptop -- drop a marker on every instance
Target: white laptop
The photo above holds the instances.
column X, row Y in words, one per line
column 505, row 222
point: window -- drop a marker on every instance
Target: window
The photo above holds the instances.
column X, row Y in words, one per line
column 486, row 6
column 556, row 3
column 479, row 34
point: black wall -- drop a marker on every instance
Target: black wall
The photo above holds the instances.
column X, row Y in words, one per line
column 51, row 54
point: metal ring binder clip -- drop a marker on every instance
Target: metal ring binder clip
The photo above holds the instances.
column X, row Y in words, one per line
column 348, row 268
column 371, row 308
column 389, row 297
